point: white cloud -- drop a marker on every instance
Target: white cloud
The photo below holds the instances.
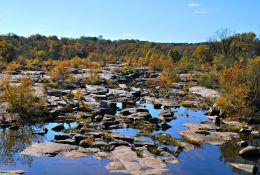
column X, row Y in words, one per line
column 197, row 9
column 193, row 5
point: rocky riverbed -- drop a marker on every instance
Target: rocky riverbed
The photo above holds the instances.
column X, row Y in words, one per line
column 127, row 126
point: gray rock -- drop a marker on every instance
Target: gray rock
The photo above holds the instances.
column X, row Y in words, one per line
column 250, row 151
column 243, row 144
column 245, row 167
column 58, row 128
column 14, row 172
column 62, row 136
column 79, row 137
column 47, row 149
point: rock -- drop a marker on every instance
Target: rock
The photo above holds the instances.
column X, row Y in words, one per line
column 161, row 102
column 47, row 149
column 204, row 92
column 196, row 134
column 88, row 150
column 118, row 143
column 255, row 133
column 38, row 133
column 245, row 131
column 72, row 154
column 122, row 86
column 103, row 111
column 99, row 144
column 218, row 121
column 84, row 144
column 124, row 138
column 243, row 144
column 98, row 118
column 62, row 136
column 66, row 141
column 129, row 111
column 168, row 157
column 14, row 127
column 58, row 128
column 54, row 92
column 245, row 167
column 214, row 110
column 126, row 161
column 157, row 106
column 167, row 115
column 78, row 138
column 107, row 104
column 99, row 90
column 154, row 120
column 74, row 70
column 14, row 172
column 250, row 151
column 165, row 126
column 108, row 117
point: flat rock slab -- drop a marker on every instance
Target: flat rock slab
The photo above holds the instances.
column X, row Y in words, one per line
column 72, row 154
column 206, row 133
column 204, row 92
column 48, row 149
column 125, row 160
column 163, row 102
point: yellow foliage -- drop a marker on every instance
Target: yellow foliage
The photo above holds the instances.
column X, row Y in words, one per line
column 168, row 75
column 13, row 66
column 21, row 98
column 61, row 71
column 93, row 79
column 78, row 94
column 234, row 92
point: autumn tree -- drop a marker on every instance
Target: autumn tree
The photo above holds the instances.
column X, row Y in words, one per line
column 61, row 71
column 174, row 55
column 202, row 53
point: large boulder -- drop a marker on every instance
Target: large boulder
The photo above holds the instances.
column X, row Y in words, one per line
column 204, row 92
column 250, row 151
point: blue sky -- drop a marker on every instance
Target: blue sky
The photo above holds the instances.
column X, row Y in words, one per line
column 153, row 20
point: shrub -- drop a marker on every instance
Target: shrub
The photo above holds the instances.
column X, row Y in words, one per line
column 209, row 80
column 21, row 98
column 167, row 139
column 240, row 89
column 168, row 76
column 61, row 71
column 93, row 79
column 78, row 94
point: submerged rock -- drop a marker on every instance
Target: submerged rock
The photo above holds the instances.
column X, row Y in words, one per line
column 13, row 172
column 245, row 167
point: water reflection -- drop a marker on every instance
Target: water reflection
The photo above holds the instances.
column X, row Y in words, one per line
column 13, row 142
